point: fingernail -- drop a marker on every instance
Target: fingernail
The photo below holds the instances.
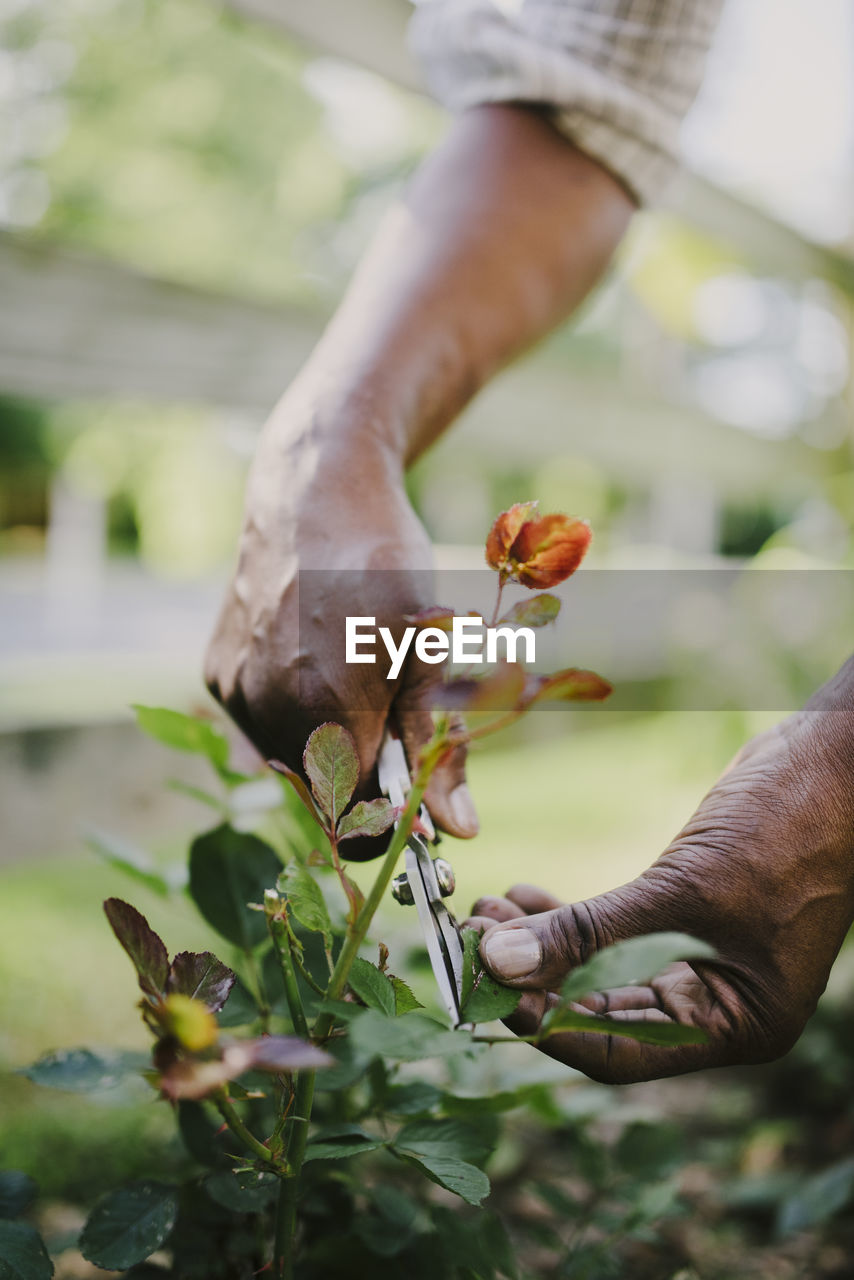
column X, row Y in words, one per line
column 511, row 953
column 463, row 810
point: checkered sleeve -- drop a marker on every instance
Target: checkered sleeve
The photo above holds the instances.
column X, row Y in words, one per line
column 617, row 75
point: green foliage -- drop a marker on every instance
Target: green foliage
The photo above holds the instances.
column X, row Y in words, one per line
column 187, row 733
column 533, row 611
column 633, row 961
column 340, row 1142
column 373, row 988
column 134, row 862
column 464, row 1180
column 483, row 999
column 82, row 1071
column 817, row 1199
column 17, row 1192
column 228, row 870
column 128, row 1225
column 332, row 765
column 22, row 1253
column 305, row 899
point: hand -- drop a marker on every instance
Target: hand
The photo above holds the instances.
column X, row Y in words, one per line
column 763, row 871
column 335, row 503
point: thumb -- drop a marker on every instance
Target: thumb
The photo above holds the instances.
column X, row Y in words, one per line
column 538, row 951
column 447, row 797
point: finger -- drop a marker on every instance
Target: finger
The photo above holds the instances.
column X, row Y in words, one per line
column 611, row 1059
column 621, row 999
column 526, row 1017
column 496, row 909
column 534, row 951
column 447, row 797
column 532, row 899
column 479, row 923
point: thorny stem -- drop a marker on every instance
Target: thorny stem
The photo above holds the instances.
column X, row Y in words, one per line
column 298, row 1121
column 356, row 931
column 239, row 1129
column 279, row 932
column 286, row 1208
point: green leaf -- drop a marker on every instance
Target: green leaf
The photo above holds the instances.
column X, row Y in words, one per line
column 200, row 975
column 128, row 1225
column 142, row 944
column 405, row 999
column 817, row 1198
column 338, row 1142
column 367, row 818
column 332, row 765
column 496, row 1245
column 648, row 1151
column 390, row 1224
column 187, row 733
column 445, row 1137
column 563, row 1018
column 412, row 1099
column 243, row 1190
column 483, row 999
column 409, row 1038
column 82, row 1071
column 536, row 611
column 17, row 1192
column 633, row 961
column 305, row 899
column 22, row 1253
column 132, row 861
column 372, row 987
column 229, row 869
column 465, row 1180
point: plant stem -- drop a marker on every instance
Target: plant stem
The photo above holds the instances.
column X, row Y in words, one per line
column 239, row 1129
column 286, row 1208
column 279, row 932
column 356, row 932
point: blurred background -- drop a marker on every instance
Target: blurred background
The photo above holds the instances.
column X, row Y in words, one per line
column 184, row 190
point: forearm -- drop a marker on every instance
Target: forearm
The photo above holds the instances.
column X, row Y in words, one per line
column 502, row 233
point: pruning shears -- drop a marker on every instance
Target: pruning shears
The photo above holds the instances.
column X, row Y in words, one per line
column 425, row 882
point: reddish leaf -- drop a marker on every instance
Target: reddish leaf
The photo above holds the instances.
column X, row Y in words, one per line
column 548, row 550
column 504, row 532
column 501, row 690
column 571, row 685
column 299, row 787
column 142, row 944
column 197, row 1078
column 355, row 897
column 536, row 611
column 367, row 818
column 200, row 975
column 435, row 616
column 332, row 765
column 286, row 1053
